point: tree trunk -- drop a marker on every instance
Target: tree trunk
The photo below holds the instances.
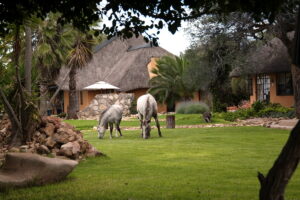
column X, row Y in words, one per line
column 170, row 119
column 73, row 98
column 28, row 59
column 21, row 110
column 296, row 88
column 43, row 87
column 44, row 104
column 273, row 185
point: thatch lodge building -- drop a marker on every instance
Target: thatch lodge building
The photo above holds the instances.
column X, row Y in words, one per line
column 125, row 64
column 269, row 74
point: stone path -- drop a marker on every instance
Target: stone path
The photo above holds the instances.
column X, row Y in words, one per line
column 280, row 123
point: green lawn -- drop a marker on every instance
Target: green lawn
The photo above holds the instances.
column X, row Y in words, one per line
column 181, row 119
column 202, row 164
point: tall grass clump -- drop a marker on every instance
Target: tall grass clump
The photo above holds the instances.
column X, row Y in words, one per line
column 191, row 107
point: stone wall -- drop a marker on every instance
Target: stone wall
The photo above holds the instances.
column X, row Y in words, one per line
column 103, row 101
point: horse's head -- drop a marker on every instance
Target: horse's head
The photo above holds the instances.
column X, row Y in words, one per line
column 146, row 128
column 101, row 131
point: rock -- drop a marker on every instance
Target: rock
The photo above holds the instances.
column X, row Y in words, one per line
column 62, row 135
column 101, row 102
column 14, row 149
column 66, row 125
column 288, row 123
column 55, row 151
column 24, row 148
column 48, row 139
column 71, row 149
column 42, row 149
column 50, row 142
column 42, row 138
column 37, row 134
column 49, row 129
column 93, row 152
column 26, row 169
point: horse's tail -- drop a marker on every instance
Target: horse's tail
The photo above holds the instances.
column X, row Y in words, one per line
column 147, row 109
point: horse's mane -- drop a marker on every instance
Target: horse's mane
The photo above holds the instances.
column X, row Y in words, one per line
column 102, row 114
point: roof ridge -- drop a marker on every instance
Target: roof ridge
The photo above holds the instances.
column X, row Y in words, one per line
column 136, row 47
column 103, row 44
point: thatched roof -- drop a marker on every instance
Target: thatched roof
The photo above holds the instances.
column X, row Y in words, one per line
column 270, row 58
column 122, row 63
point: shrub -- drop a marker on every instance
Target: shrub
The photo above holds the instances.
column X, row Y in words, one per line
column 219, row 106
column 260, row 109
column 257, row 106
column 132, row 108
column 239, row 114
column 62, row 115
column 230, row 116
column 192, row 107
column 276, row 111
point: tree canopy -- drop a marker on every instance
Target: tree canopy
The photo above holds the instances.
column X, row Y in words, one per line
column 128, row 17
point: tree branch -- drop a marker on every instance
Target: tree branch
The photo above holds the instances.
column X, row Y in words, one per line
column 10, row 109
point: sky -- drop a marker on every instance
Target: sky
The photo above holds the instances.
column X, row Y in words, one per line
column 173, row 43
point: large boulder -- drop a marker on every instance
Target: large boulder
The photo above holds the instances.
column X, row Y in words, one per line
column 71, row 149
column 26, row 169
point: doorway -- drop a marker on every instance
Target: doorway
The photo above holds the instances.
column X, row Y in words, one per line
column 263, row 87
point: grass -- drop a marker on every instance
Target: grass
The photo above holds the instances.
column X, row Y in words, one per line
column 204, row 164
column 181, row 119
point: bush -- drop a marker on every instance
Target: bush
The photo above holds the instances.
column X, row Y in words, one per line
column 132, row 108
column 257, row 106
column 62, row 115
column 276, row 111
column 230, row 116
column 192, row 107
column 219, row 106
column 260, row 109
column 239, row 114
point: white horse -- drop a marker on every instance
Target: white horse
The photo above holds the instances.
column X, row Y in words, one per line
column 110, row 116
column 147, row 108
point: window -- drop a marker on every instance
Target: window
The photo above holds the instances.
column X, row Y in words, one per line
column 81, row 97
column 284, row 84
column 249, row 86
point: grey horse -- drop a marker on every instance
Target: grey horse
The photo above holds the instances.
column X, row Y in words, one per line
column 110, row 116
column 147, row 108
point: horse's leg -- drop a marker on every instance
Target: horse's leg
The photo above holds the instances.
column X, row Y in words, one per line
column 118, row 128
column 157, row 124
column 111, row 127
column 141, row 122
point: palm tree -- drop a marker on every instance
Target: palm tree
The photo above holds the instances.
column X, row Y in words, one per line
column 80, row 55
column 53, row 42
column 169, row 85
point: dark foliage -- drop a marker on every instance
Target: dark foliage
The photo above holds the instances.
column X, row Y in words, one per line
column 126, row 16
